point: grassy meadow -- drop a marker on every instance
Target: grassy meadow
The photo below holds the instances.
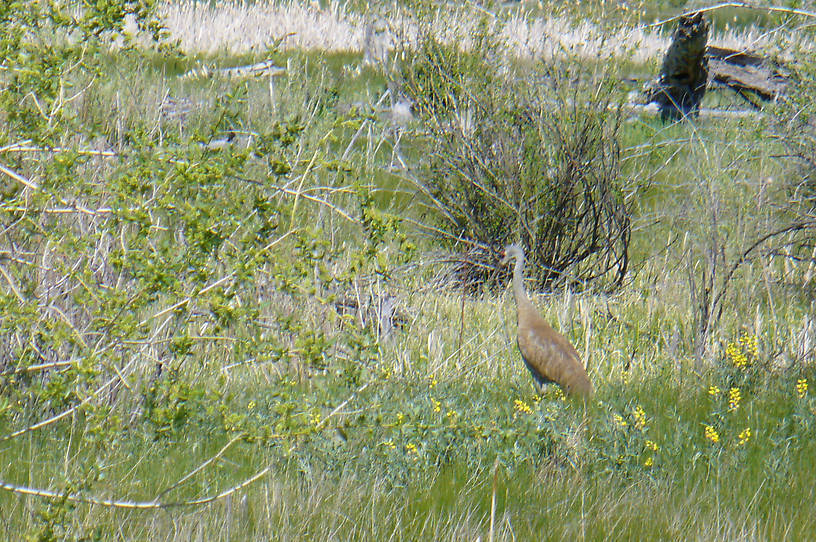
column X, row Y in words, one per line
column 197, row 272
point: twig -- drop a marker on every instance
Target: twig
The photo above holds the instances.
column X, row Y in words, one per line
column 354, row 139
column 744, row 256
column 493, row 500
column 19, row 178
column 11, row 284
column 39, row 367
column 61, row 415
column 131, row 505
column 331, row 206
column 187, row 299
column 63, row 210
column 226, row 493
column 302, row 194
column 66, row 413
column 744, row 5
column 201, row 467
column 300, row 186
column 343, row 404
column 70, row 324
column 16, row 147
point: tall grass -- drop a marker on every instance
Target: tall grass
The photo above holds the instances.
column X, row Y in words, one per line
column 239, row 28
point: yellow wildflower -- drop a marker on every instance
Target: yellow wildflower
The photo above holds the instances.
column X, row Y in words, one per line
column 640, row 418
column 314, row 418
column 619, row 420
column 400, row 417
column 734, row 399
column 714, row 390
column 736, row 355
column 745, row 350
column 651, row 445
column 649, row 462
column 711, row 434
column 432, row 381
column 750, row 343
column 744, row 436
column 389, row 444
column 411, row 448
column 802, row 387
column 251, row 405
column 521, row 407
column 437, row 406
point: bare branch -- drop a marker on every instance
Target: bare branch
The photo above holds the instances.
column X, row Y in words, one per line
column 743, row 5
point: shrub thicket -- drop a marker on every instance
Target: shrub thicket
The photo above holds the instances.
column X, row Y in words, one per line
column 520, row 153
column 138, row 260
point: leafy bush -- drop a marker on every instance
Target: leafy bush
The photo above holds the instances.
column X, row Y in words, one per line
column 138, row 261
column 520, row 154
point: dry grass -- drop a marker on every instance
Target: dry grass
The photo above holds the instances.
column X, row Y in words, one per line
column 238, row 27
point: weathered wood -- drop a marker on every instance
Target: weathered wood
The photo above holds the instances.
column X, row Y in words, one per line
column 267, row 67
column 684, row 74
column 690, row 66
column 746, row 72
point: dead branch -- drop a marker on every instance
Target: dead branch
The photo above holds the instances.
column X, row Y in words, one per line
column 743, row 5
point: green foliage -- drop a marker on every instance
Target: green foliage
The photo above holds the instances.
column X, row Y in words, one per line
column 137, row 274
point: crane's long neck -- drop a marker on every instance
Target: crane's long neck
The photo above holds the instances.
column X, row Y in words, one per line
column 518, row 282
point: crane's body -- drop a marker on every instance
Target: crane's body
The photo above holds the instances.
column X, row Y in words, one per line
column 548, row 355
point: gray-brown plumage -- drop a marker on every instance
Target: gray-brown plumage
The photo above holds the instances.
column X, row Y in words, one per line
column 548, row 355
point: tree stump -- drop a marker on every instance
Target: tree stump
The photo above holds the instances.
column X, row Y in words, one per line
column 682, row 82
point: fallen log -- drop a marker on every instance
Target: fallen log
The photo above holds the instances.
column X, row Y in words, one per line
column 746, row 72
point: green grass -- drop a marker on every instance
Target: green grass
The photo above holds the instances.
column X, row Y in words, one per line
column 554, row 479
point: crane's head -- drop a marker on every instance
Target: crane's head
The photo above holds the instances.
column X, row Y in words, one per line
column 512, row 251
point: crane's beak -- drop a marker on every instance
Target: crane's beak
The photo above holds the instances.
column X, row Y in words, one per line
column 505, row 258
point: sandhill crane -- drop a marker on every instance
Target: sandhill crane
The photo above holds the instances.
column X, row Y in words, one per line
column 548, row 355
